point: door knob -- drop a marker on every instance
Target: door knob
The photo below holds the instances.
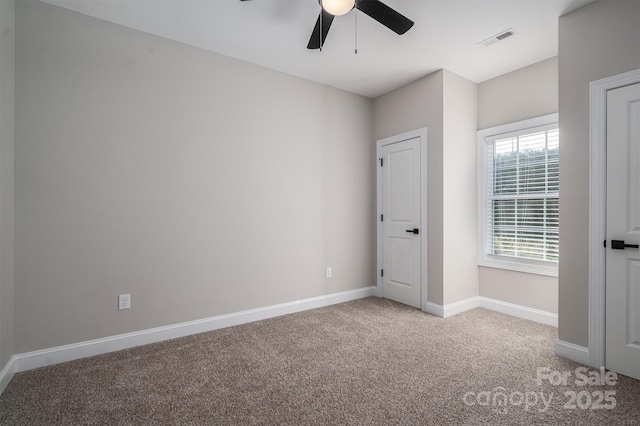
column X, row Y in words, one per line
column 414, row 231
column 620, row 245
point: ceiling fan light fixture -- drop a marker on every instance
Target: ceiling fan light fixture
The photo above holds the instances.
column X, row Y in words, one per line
column 337, row 7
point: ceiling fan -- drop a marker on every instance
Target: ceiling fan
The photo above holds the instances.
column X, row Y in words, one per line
column 379, row 11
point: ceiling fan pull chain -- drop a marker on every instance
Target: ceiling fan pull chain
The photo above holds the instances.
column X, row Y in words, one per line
column 356, row 14
column 320, row 29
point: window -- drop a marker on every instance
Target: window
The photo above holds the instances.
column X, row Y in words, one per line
column 518, row 166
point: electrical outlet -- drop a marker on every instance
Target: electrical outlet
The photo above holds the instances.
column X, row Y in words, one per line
column 124, row 301
column 329, row 273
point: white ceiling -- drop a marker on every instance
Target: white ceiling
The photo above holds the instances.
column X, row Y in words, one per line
column 274, row 34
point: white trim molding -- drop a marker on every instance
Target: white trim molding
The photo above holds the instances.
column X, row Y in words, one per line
column 460, row 306
column 7, row 374
column 422, row 134
column 452, row 309
column 597, row 209
column 50, row 356
column 56, row 355
column 485, row 138
column 524, row 312
column 511, row 309
column 576, row 353
column 433, row 309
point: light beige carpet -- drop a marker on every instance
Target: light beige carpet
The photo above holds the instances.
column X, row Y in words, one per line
column 368, row 362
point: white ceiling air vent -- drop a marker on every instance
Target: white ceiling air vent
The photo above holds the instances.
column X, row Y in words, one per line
column 498, row 37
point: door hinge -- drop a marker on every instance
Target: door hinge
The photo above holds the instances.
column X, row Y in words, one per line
column 381, row 162
column 382, row 272
column 381, row 218
column 605, row 243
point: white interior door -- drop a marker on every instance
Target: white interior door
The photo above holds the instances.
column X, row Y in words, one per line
column 401, row 227
column 623, row 231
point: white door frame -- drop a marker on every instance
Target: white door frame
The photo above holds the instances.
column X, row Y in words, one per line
column 598, row 209
column 422, row 134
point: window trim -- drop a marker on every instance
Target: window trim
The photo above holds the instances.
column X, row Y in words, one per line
column 540, row 267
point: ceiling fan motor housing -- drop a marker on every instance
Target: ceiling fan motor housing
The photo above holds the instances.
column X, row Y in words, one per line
column 337, row 7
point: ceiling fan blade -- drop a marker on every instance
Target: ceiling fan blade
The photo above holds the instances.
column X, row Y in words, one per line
column 385, row 15
column 314, row 41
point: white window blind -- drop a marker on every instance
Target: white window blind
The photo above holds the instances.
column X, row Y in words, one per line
column 522, row 195
column 518, row 177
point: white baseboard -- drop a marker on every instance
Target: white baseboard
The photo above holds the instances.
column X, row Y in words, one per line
column 44, row 357
column 41, row 358
column 519, row 311
column 433, row 309
column 571, row 351
column 514, row 310
column 460, row 306
column 7, row 374
column 452, row 308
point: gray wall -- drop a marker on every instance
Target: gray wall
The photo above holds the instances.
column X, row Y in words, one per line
column 526, row 93
column 460, row 280
column 136, row 172
column 596, row 41
column 7, row 88
column 446, row 104
column 200, row 184
column 416, row 105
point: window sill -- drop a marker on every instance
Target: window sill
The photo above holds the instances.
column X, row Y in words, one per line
column 549, row 269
